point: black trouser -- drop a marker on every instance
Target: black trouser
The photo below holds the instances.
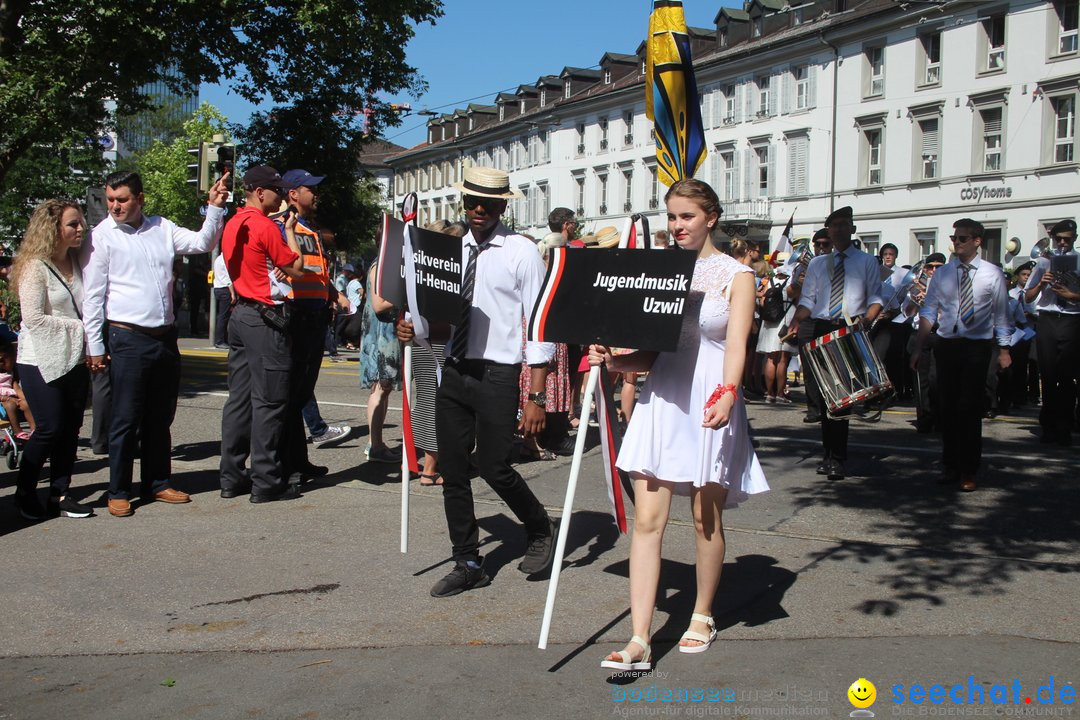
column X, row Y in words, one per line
column 58, row 414
column 926, row 387
column 307, row 330
column 223, row 298
column 145, row 377
column 834, row 433
column 804, row 335
column 1018, row 373
column 253, row 419
column 477, row 404
column 1057, row 346
column 101, row 390
column 961, row 367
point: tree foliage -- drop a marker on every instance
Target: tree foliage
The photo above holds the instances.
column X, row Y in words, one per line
column 163, row 168
column 63, row 60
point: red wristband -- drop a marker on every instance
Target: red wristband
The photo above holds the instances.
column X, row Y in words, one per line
column 718, row 393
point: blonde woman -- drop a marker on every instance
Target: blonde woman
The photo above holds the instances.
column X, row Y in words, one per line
column 688, row 434
column 51, row 354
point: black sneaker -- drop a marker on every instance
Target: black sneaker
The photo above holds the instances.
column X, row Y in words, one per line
column 460, row 579
column 539, row 554
column 69, row 507
column 29, row 506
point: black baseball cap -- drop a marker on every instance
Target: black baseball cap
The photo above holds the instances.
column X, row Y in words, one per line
column 262, row 176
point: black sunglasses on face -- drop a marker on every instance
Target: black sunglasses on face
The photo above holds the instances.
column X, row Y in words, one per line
column 960, row 238
column 472, row 201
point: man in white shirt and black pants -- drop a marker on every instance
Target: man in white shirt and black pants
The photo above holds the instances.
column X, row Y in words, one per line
column 128, row 283
column 1057, row 337
column 477, row 401
column 844, row 284
column 969, row 301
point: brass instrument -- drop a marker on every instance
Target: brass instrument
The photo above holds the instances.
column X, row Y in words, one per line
column 916, row 292
column 904, row 289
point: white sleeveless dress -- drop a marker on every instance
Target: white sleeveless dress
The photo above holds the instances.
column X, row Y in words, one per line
column 665, row 439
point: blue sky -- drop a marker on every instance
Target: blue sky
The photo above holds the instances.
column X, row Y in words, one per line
column 482, row 47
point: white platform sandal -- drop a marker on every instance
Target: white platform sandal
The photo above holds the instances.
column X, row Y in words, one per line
column 705, row 640
column 625, row 664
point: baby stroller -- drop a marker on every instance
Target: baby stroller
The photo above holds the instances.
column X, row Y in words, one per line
column 10, row 446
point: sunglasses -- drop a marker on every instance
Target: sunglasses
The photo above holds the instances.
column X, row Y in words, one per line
column 472, row 201
column 1063, row 238
column 960, row 238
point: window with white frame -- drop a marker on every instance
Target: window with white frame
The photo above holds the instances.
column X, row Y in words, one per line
column 436, row 209
column 580, row 139
column 991, row 135
column 654, row 188
column 628, row 189
column 603, row 124
column 925, row 242
column 502, row 111
column 543, row 97
column 870, row 242
column 1068, row 21
column 929, row 144
column 875, row 72
column 731, row 174
column 607, row 77
column 798, row 150
column 931, row 51
column 723, row 37
column 543, row 204
column 601, row 193
column 1064, row 110
column 756, row 29
column 628, row 126
column 521, row 107
column 800, row 74
column 871, row 150
column 579, row 194
column 762, row 183
column 993, row 36
column 566, row 89
column 730, row 105
column 764, row 87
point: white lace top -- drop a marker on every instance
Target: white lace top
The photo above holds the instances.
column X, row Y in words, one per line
column 52, row 337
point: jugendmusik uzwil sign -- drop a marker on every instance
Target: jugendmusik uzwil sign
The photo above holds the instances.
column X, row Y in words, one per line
column 985, row 192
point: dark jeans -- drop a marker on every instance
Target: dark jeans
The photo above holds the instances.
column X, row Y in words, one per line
column 477, row 405
column 307, row 332
column 961, row 368
column 253, row 419
column 58, row 413
column 221, row 322
column 101, row 389
column 1057, row 346
column 145, row 378
column 834, row 433
column 313, row 418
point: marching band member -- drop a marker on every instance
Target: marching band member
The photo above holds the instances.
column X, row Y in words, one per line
column 926, row 396
column 822, row 246
column 969, row 303
column 1057, row 338
column 843, row 284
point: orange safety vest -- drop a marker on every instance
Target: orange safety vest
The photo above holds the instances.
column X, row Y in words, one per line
column 314, row 284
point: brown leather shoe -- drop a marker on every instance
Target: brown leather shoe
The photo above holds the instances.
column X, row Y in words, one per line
column 967, row 483
column 169, row 495
column 120, row 507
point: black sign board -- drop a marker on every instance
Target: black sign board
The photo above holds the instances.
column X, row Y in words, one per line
column 622, row 298
column 436, row 273
column 389, row 272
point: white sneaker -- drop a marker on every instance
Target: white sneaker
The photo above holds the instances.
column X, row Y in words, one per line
column 332, row 434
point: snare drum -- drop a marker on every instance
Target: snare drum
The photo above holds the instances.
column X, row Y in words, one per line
column 847, row 369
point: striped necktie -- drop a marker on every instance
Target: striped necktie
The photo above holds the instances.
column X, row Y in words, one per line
column 836, row 295
column 459, row 343
column 967, row 297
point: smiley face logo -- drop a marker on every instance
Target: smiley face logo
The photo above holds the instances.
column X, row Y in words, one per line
column 862, row 693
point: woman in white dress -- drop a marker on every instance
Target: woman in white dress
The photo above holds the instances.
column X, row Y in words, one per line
column 688, row 434
column 777, row 353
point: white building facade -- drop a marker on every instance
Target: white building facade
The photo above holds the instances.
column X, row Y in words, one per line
column 915, row 114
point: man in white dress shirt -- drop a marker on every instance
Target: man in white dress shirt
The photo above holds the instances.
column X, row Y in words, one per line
column 1057, row 340
column 477, row 401
column 128, row 284
column 968, row 301
column 844, row 284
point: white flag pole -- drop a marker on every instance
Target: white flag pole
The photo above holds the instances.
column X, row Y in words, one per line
column 408, row 207
column 571, row 485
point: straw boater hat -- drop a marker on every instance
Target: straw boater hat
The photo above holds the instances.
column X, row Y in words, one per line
column 607, row 237
column 487, row 182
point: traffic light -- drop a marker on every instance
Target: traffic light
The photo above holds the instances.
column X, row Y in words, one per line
column 208, row 162
column 194, row 166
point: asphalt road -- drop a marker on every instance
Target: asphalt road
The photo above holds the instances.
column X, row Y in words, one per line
column 307, row 609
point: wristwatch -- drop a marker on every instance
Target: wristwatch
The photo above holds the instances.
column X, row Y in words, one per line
column 539, row 399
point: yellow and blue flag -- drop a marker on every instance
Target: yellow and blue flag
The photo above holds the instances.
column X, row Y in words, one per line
column 671, row 96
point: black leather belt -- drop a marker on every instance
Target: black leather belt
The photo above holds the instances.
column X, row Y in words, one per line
column 151, row 331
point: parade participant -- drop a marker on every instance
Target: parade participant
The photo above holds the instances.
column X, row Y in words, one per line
column 309, row 318
column 925, row 369
column 893, row 329
column 128, row 283
column 224, row 297
column 253, row 419
column 822, row 245
column 968, row 301
column 1057, row 336
column 844, row 284
column 688, row 435
column 1021, row 351
column 478, row 399
column 52, row 372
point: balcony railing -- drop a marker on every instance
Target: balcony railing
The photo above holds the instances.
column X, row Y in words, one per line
column 748, row 210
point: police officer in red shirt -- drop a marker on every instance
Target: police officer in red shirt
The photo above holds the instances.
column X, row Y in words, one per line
column 259, row 348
